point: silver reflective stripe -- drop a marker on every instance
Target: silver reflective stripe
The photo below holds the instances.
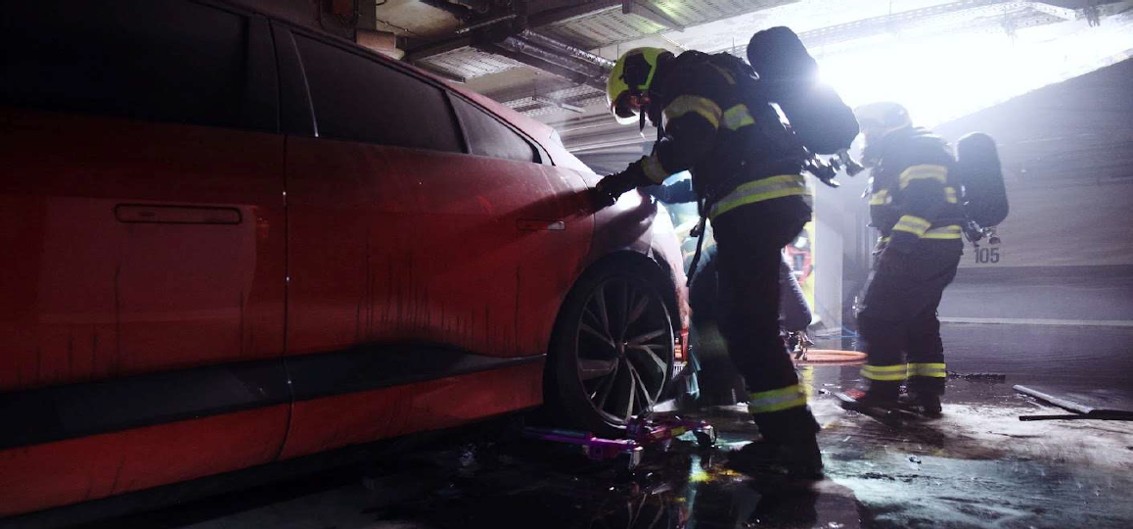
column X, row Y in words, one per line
column 885, row 373
column 923, row 172
column 776, row 399
column 880, row 198
column 706, row 108
column 951, row 231
column 934, row 370
column 912, row 224
column 738, row 117
column 758, row 191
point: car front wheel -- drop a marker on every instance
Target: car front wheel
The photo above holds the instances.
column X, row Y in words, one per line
column 613, row 351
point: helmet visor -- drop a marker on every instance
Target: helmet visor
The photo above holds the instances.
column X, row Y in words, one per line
column 625, row 108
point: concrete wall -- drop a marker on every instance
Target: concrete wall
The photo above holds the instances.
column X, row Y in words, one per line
column 1067, row 153
column 1067, row 250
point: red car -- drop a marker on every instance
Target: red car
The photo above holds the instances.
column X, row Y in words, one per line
column 228, row 241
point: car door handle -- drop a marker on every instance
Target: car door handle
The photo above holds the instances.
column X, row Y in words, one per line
column 176, row 214
column 540, row 225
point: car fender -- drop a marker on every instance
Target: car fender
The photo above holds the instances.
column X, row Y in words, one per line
column 637, row 223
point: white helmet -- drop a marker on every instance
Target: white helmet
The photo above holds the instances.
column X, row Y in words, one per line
column 878, row 119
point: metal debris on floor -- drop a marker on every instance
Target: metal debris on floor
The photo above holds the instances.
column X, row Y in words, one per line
column 1091, row 403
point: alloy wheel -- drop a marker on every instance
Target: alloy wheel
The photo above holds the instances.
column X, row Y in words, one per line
column 625, row 348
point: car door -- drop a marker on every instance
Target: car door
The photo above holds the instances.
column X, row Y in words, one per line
column 408, row 257
column 142, row 231
column 549, row 207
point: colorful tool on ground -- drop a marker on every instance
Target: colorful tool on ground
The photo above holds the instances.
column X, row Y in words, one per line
column 640, row 432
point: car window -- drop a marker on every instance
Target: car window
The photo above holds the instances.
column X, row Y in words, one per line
column 144, row 59
column 487, row 136
column 358, row 98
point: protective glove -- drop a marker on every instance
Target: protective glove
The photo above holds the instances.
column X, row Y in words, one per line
column 611, row 187
column 606, row 193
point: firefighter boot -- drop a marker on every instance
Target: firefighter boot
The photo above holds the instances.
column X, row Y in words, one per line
column 923, row 396
column 924, row 404
column 880, row 399
column 788, row 447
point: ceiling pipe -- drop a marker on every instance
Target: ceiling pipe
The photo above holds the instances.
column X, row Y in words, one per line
column 524, row 47
column 527, row 47
column 568, row 61
column 603, row 64
column 483, row 24
column 500, row 35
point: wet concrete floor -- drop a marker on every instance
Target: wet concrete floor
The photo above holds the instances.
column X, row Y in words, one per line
column 978, row 466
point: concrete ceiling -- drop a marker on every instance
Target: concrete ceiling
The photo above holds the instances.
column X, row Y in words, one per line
column 548, row 58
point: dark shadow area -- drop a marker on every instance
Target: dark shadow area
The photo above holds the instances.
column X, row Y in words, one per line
column 978, row 466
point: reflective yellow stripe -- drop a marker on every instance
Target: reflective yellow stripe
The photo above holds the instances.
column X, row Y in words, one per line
column 923, row 172
column 653, row 169
column 912, row 224
column 776, row 399
column 885, row 373
column 952, row 231
column 738, row 117
column 892, row 377
column 707, row 108
column 935, row 370
column 893, row 368
column 758, row 191
column 880, row 198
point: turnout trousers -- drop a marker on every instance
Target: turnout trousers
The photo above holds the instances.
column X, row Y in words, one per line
column 898, row 321
column 749, row 242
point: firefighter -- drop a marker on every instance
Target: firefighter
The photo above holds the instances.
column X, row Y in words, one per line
column 746, row 171
column 913, row 203
column 794, row 311
column 718, row 381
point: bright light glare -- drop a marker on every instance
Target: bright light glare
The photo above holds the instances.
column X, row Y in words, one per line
column 943, row 78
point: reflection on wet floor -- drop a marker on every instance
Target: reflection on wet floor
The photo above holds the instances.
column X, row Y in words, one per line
column 979, row 466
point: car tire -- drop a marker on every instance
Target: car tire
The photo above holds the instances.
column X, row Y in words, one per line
column 612, row 351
